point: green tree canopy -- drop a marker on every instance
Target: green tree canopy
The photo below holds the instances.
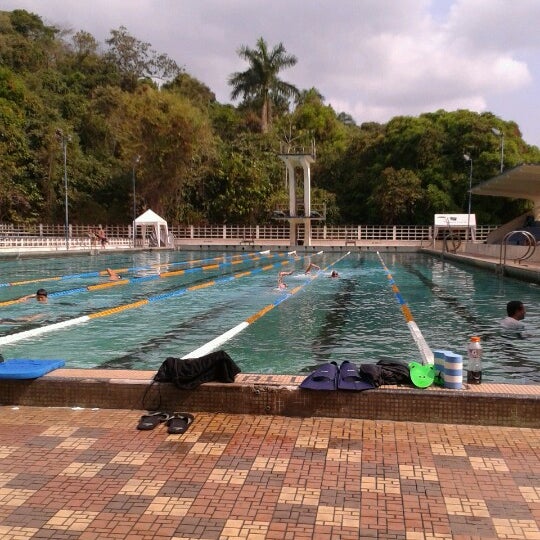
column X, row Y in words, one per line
column 207, row 162
column 260, row 84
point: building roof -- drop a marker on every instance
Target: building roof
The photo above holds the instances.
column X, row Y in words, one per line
column 521, row 182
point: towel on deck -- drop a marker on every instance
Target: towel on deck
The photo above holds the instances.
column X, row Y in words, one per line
column 189, row 373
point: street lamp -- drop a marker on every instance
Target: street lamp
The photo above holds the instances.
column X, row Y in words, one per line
column 468, row 158
column 64, row 139
column 500, row 134
column 136, row 160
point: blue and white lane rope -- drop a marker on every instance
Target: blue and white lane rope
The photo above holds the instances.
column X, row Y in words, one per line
column 101, row 273
column 19, row 336
column 425, row 352
column 174, row 273
column 223, row 338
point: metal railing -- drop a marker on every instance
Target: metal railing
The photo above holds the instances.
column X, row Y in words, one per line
column 530, row 243
column 44, row 235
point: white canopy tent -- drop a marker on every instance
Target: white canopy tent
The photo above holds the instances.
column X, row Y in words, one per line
column 153, row 229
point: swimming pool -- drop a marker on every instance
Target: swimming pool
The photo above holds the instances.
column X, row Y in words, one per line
column 355, row 317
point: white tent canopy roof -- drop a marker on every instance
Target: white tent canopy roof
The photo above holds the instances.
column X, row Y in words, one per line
column 153, row 228
column 150, row 218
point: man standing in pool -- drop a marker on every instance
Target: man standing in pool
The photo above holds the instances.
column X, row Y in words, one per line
column 516, row 313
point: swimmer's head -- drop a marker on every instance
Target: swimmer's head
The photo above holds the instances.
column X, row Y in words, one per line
column 41, row 295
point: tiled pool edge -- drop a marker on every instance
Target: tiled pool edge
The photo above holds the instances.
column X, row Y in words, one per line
column 490, row 404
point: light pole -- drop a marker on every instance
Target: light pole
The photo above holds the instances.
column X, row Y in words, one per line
column 64, row 139
column 136, row 160
column 500, row 134
column 468, row 158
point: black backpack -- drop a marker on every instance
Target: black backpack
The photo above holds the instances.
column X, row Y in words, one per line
column 395, row 372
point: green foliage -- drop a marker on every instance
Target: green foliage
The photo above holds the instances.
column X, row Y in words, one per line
column 240, row 188
column 189, row 87
column 136, row 59
column 397, row 195
column 260, row 84
column 206, row 162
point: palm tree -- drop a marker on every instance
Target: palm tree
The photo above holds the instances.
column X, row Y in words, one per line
column 260, row 82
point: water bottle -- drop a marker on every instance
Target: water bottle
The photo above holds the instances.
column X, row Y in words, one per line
column 474, row 365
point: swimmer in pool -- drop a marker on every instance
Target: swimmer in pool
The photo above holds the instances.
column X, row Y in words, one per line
column 334, row 274
column 311, row 267
column 113, row 276
column 19, row 320
column 280, row 283
column 40, row 296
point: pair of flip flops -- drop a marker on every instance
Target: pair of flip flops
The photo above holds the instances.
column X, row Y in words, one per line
column 177, row 423
column 331, row 377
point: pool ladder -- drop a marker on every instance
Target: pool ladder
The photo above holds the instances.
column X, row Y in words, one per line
column 531, row 248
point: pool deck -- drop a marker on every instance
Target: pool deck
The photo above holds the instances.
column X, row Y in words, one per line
column 323, row 465
column 346, row 471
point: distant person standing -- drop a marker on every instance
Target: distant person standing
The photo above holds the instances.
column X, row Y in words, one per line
column 100, row 234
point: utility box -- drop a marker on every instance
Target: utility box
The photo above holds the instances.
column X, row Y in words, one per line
column 462, row 225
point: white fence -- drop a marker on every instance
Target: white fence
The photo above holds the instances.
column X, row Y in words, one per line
column 53, row 236
column 344, row 233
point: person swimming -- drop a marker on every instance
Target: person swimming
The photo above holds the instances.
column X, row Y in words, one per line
column 311, row 267
column 280, row 282
column 113, row 276
column 20, row 320
column 40, row 296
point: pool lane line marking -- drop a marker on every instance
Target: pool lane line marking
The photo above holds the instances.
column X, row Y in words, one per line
column 109, row 284
column 100, row 273
column 13, row 338
column 226, row 336
column 423, row 347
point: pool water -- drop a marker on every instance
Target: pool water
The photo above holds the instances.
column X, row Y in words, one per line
column 355, row 317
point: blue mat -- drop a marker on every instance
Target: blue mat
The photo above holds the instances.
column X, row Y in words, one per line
column 25, row 368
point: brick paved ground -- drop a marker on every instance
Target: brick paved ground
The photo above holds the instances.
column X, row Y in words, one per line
column 89, row 474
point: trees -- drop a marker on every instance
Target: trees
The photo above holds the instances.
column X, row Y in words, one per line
column 203, row 161
column 397, row 195
column 260, row 84
column 136, row 59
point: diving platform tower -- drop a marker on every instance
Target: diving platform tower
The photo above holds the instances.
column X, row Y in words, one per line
column 300, row 213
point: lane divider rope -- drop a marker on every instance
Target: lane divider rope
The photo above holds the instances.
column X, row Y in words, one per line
column 423, row 347
column 100, row 273
column 136, row 280
column 13, row 338
column 226, row 336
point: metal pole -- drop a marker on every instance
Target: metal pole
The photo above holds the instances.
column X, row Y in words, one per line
column 500, row 134
column 502, row 152
column 134, row 203
column 468, row 158
column 469, row 214
column 135, row 162
column 66, row 226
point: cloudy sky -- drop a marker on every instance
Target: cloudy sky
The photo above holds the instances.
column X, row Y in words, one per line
column 373, row 59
